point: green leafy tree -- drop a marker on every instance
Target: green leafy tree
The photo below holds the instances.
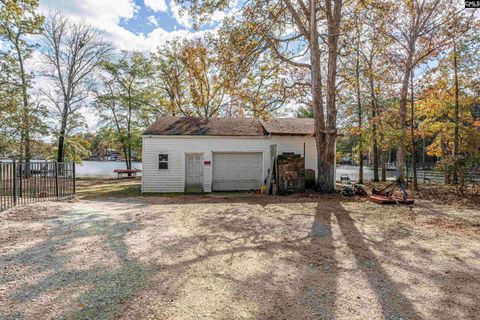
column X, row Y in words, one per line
column 77, row 147
column 122, row 98
column 18, row 20
column 169, row 87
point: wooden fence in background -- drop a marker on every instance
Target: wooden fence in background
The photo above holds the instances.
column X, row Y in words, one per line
column 439, row 177
column 28, row 182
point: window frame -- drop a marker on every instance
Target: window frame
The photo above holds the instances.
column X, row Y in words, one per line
column 163, row 161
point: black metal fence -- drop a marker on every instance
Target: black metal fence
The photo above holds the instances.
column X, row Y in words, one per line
column 27, row 182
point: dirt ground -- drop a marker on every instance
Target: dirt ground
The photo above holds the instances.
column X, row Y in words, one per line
column 113, row 253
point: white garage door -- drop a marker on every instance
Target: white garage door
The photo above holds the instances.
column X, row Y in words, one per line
column 237, row 171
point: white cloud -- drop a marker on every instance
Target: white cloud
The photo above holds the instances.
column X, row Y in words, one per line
column 218, row 16
column 153, row 20
column 184, row 19
column 106, row 15
column 156, row 5
column 181, row 16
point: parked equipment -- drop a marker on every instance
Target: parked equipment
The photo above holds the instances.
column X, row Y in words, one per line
column 350, row 189
column 387, row 194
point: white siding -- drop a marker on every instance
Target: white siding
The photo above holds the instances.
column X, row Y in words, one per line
column 295, row 144
column 173, row 179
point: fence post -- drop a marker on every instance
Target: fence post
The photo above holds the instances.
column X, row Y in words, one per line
column 74, row 178
column 56, row 179
column 20, row 191
column 14, row 182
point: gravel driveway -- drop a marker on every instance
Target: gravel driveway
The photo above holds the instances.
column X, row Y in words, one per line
column 195, row 257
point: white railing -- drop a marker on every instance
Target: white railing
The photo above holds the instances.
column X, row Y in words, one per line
column 439, row 177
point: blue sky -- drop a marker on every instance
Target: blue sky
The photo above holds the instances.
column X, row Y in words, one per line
column 132, row 24
column 142, row 25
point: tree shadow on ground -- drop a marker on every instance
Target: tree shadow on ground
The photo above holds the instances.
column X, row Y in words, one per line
column 315, row 261
column 108, row 287
column 308, row 241
column 393, row 302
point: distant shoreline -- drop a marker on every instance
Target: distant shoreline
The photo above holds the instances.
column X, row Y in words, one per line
column 109, row 160
column 83, row 160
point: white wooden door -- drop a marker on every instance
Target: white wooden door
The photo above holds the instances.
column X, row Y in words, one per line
column 237, row 171
column 194, row 172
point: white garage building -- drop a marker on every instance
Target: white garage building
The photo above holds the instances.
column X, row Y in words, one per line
column 219, row 154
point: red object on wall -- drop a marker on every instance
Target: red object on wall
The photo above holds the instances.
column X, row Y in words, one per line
column 207, row 163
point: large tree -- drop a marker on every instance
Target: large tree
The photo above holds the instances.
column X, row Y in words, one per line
column 416, row 29
column 208, row 79
column 446, row 108
column 169, row 85
column 72, row 52
column 19, row 20
column 124, row 95
column 212, row 77
column 297, row 33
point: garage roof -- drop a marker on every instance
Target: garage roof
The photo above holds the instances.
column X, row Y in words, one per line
column 229, row 126
column 289, row 126
column 206, row 126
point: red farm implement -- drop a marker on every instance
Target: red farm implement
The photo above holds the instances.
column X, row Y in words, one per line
column 388, row 195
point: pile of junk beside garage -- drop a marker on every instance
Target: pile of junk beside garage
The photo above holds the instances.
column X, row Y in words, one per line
column 287, row 174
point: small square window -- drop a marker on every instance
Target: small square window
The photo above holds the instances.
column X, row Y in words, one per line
column 163, row 161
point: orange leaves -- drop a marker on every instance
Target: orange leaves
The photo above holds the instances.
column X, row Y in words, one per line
column 436, row 110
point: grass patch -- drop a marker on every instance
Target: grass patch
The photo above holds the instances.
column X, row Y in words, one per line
column 89, row 188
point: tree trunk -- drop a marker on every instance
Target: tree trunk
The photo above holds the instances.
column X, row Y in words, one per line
column 129, row 133
column 423, row 153
column 445, row 155
column 61, row 138
column 129, row 157
column 125, row 152
column 401, row 154
column 359, row 114
column 383, row 152
column 455, row 134
column 25, row 126
column 317, row 100
column 384, row 167
column 326, row 176
column 22, row 146
column 61, row 143
column 374, row 128
column 412, row 133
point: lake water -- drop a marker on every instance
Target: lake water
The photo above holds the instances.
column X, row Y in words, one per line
column 105, row 169
column 102, row 168
column 352, row 172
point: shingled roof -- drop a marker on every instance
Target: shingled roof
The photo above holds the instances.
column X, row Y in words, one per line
column 289, row 126
column 194, row 126
column 205, row 127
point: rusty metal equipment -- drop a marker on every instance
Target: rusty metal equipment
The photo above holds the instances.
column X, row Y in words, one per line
column 387, row 195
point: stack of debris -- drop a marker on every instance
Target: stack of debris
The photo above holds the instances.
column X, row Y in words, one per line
column 291, row 173
column 287, row 173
